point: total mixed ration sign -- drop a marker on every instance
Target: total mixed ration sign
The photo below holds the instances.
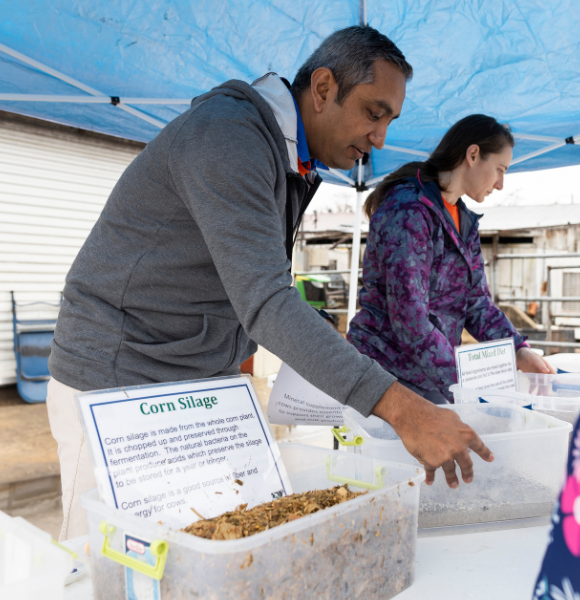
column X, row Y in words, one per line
column 173, row 452
column 487, row 365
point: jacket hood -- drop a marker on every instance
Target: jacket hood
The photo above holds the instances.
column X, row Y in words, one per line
column 241, row 90
column 430, row 189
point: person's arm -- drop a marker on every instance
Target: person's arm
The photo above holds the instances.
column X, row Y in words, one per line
column 224, row 170
column 486, row 322
column 402, row 239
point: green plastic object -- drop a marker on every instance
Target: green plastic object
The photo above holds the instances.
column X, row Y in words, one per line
column 73, row 554
column 301, row 287
column 318, row 278
column 337, row 431
column 159, row 548
column 379, row 472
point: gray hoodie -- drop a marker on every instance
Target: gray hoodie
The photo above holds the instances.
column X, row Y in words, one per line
column 186, row 269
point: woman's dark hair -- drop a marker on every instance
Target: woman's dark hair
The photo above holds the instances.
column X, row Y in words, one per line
column 486, row 132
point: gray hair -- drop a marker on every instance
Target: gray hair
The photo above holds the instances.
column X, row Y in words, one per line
column 350, row 54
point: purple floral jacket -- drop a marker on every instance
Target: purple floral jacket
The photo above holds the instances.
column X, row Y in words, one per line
column 423, row 283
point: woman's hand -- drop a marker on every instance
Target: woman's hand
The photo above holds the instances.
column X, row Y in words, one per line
column 530, row 362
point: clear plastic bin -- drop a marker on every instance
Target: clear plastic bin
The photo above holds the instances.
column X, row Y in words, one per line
column 523, row 481
column 566, row 362
column 364, row 548
column 32, row 567
column 554, row 395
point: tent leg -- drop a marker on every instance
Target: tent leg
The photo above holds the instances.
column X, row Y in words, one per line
column 355, row 256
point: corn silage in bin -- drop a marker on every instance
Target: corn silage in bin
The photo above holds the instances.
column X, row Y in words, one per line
column 363, row 548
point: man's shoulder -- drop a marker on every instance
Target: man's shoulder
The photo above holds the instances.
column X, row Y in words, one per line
column 220, row 126
column 219, row 111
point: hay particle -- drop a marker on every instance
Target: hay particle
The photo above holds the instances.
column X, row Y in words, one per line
column 249, row 560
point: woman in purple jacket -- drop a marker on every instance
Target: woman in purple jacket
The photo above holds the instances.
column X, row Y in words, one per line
column 423, row 270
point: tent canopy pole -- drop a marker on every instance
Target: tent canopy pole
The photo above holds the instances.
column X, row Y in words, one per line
column 355, row 256
column 362, row 13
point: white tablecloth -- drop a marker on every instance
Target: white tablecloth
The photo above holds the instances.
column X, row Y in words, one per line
column 498, row 565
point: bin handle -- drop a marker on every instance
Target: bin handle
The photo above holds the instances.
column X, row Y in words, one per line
column 379, row 472
column 71, row 552
column 337, row 431
column 159, row 548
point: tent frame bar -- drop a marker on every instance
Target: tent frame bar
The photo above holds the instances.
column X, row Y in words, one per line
column 78, row 84
column 559, row 143
column 573, row 140
column 91, row 99
column 342, row 176
column 534, row 137
column 406, row 150
column 49, row 70
column 123, row 104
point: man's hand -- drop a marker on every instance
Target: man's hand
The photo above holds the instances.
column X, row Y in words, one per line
column 530, row 362
column 435, row 436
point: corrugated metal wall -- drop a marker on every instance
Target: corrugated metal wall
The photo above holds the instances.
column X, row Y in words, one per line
column 53, row 185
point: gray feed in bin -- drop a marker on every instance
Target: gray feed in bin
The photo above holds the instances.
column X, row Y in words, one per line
column 363, row 548
column 530, row 451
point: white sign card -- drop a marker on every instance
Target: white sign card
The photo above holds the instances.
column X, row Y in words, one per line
column 164, row 451
column 487, row 365
column 294, row 401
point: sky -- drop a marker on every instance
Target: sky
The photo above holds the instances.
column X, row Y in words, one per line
column 553, row 186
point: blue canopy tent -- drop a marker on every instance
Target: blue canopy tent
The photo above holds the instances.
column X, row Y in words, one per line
column 126, row 68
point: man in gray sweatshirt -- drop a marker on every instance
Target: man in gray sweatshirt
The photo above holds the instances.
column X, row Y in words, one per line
column 188, row 266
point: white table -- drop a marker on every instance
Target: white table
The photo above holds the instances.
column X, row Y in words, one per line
column 502, row 565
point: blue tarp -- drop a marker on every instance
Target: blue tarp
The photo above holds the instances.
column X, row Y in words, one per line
column 518, row 60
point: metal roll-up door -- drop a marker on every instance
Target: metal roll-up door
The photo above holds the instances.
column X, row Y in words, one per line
column 54, row 182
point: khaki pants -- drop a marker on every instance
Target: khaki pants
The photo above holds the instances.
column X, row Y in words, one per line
column 76, row 471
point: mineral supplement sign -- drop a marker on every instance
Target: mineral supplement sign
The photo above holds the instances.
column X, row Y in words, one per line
column 176, row 452
column 294, row 401
column 487, row 365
